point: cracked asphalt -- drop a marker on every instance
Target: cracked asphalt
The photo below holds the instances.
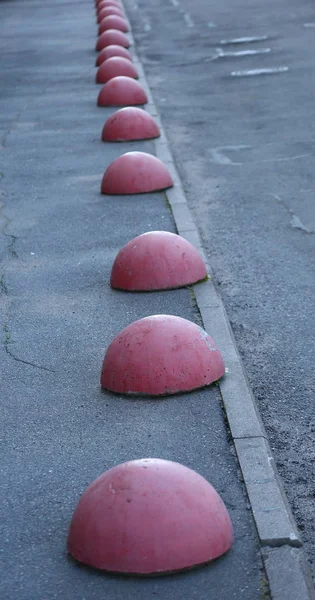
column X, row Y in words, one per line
column 59, row 237
column 243, row 141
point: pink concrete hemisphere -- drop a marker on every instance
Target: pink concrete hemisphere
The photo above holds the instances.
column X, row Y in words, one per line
column 112, row 22
column 115, row 66
column 130, row 123
column 161, row 355
column 121, row 91
column 157, row 260
column 106, row 11
column 112, row 37
column 135, row 173
column 111, row 51
column 149, row 516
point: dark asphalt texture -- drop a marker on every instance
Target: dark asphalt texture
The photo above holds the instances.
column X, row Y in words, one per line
column 58, row 239
column 244, row 146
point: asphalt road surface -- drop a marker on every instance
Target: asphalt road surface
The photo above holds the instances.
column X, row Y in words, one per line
column 59, row 237
column 240, row 117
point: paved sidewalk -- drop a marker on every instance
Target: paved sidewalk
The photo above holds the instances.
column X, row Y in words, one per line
column 58, row 239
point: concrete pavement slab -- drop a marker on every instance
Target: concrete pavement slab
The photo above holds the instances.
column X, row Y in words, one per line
column 288, row 573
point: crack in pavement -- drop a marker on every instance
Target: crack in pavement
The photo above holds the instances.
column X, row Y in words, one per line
column 3, row 287
column 25, row 362
column 6, row 330
column 5, row 224
column 12, row 243
column 11, row 126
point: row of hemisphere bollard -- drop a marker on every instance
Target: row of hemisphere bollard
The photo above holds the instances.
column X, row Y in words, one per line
column 147, row 516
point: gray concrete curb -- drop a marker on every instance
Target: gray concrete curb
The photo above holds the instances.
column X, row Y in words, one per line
column 285, row 562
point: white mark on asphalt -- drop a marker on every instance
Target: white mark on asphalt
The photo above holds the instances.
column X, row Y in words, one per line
column 218, row 52
column 309, row 25
column 244, row 40
column 255, row 72
column 147, row 24
column 188, row 20
column 276, row 197
column 282, row 158
column 245, row 52
column 295, row 221
column 219, row 157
